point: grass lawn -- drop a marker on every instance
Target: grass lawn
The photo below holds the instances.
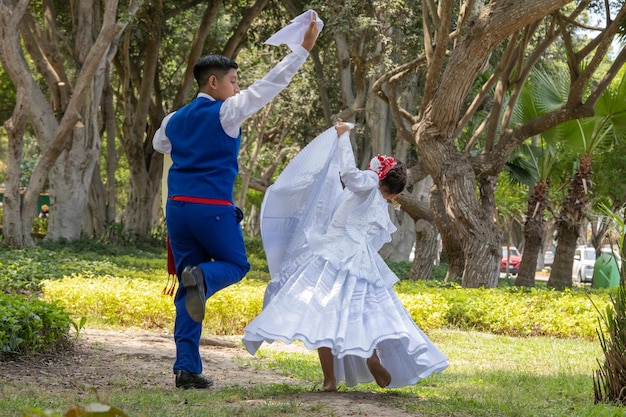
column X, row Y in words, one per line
column 489, row 375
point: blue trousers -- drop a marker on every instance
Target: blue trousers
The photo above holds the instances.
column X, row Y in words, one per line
column 210, row 237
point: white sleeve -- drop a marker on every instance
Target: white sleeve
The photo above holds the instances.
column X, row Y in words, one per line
column 238, row 108
column 353, row 178
column 160, row 141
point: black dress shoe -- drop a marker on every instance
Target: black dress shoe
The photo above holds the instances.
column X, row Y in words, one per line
column 186, row 380
column 193, row 281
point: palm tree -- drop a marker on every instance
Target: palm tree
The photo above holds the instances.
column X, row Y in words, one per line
column 543, row 158
column 609, row 122
column 537, row 96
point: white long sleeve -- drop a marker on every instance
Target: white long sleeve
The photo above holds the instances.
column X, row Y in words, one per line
column 238, row 108
column 354, row 179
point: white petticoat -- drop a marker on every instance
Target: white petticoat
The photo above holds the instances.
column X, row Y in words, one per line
column 325, row 306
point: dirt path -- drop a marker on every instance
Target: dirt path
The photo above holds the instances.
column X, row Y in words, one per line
column 103, row 358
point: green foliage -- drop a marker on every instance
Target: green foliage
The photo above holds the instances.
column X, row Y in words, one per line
column 113, row 301
column 511, row 311
column 23, row 270
column 427, row 310
column 609, row 381
column 40, row 226
column 28, row 325
column 403, row 271
column 122, row 286
column 257, row 259
column 231, row 309
column 439, row 272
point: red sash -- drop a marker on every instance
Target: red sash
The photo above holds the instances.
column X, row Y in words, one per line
column 171, row 267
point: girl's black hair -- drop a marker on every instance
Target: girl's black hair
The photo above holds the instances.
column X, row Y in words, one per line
column 395, row 181
column 208, row 65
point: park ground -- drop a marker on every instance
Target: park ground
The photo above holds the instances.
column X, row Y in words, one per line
column 107, row 358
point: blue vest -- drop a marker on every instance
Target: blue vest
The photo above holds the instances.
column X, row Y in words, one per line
column 204, row 157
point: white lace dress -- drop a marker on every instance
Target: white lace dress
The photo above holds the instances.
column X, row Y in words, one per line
column 330, row 287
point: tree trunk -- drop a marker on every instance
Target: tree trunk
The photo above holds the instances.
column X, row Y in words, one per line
column 12, row 220
column 475, row 230
column 110, row 128
column 13, row 231
column 145, row 167
column 71, row 176
column 568, row 225
column 561, row 272
column 95, row 216
column 53, row 135
column 425, row 250
column 451, row 245
column 533, row 235
column 528, row 265
column 399, row 248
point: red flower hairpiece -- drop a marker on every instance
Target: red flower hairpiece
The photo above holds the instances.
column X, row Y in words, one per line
column 381, row 165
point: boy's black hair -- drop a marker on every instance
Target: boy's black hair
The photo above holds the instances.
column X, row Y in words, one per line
column 395, row 181
column 208, row 65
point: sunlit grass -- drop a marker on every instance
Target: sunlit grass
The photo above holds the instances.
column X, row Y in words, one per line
column 489, row 375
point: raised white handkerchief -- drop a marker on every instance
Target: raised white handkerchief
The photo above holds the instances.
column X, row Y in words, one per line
column 293, row 33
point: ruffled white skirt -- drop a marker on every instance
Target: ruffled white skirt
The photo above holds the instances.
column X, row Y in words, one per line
column 324, row 306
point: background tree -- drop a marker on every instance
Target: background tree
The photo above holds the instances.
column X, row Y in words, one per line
column 460, row 46
column 589, row 134
column 65, row 123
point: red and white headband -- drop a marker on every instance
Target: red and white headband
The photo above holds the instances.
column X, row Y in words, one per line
column 381, row 165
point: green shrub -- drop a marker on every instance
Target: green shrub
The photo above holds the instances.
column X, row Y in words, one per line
column 231, row 309
column 609, row 381
column 40, row 226
column 524, row 312
column 512, row 311
column 122, row 286
column 28, row 325
column 113, row 301
column 256, row 257
column 428, row 311
column 23, row 270
column 403, row 271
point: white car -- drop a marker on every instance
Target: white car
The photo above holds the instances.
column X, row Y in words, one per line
column 584, row 259
column 548, row 259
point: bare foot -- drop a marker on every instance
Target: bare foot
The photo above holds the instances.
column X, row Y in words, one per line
column 380, row 374
column 330, row 386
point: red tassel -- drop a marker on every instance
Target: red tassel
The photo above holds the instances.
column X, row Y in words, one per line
column 171, row 266
column 170, row 286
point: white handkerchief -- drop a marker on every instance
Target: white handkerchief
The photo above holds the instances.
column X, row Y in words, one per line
column 293, row 33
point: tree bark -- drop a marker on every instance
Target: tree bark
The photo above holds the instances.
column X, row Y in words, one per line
column 144, row 164
column 533, row 235
column 451, row 245
column 54, row 136
column 13, row 63
column 477, row 233
column 425, row 250
column 568, row 225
